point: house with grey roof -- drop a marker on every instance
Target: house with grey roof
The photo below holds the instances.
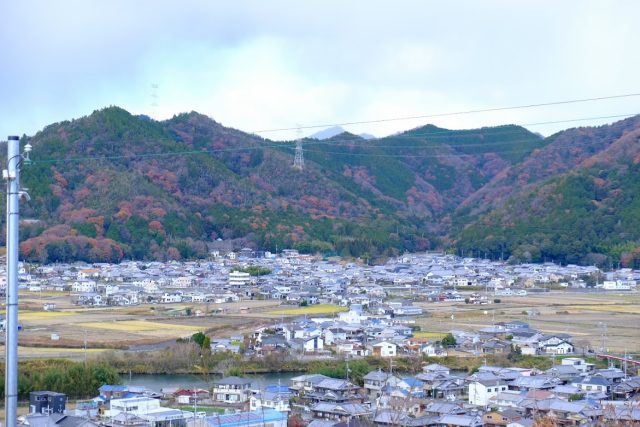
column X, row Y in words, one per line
column 334, row 390
column 231, row 390
column 536, row 382
column 375, row 381
column 339, row 411
column 594, row 385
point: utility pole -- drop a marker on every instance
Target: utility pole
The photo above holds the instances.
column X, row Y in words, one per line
column 12, row 175
column 347, row 367
column 195, row 406
column 603, row 337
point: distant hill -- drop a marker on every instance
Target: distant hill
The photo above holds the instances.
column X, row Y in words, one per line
column 327, row 133
column 573, row 201
column 112, row 185
column 335, row 131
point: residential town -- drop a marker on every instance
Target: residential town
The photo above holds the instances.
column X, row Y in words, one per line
column 571, row 393
column 297, row 278
column 381, row 305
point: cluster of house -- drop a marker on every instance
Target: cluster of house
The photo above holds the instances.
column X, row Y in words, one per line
column 354, row 333
column 502, row 337
column 384, row 333
column 121, row 405
column 572, row 393
column 296, row 278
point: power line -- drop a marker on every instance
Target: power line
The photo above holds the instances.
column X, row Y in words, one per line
column 456, row 113
column 166, row 154
column 480, row 132
column 288, row 146
column 392, row 155
column 492, row 130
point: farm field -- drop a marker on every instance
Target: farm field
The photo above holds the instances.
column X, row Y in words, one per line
column 62, row 333
column 429, row 335
column 583, row 315
column 54, row 352
column 140, row 326
column 312, row 309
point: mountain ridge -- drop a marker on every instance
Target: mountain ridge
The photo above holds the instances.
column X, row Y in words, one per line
column 112, row 185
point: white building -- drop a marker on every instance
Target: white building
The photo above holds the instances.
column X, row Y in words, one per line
column 578, row 363
column 312, row 344
column 272, row 400
column 239, row 279
column 481, row 391
column 168, row 298
column 384, row 349
column 149, row 285
column 134, row 405
column 231, row 390
column 616, row 285
column 183, row 281
column 561, row 347
column 352, row 317
column 83, row 286
column 147, row 408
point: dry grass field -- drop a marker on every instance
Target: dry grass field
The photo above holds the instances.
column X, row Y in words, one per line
column 140, row 326
column 580, row 314
column 429, row 335
column 583, row 315
column 54, row 352
column 62, row 333
column 312, row 309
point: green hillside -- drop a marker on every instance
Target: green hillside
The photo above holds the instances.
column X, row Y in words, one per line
column 112, row 185
column 590, row 215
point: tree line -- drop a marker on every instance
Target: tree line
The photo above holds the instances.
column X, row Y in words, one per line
column 75, row 379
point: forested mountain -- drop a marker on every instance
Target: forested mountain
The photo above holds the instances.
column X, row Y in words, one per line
column 113, row 185
column 575, row 201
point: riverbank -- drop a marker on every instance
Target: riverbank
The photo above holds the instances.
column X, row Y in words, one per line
column 184, row 359
column 157, row 382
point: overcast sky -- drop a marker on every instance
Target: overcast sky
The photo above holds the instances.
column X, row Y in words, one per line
column 258, row 65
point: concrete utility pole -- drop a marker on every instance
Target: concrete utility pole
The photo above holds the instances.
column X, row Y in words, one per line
column 12, row 176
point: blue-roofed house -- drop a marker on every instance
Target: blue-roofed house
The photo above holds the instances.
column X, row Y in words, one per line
column 113, row 391
column 263, row 417
column 411, row 384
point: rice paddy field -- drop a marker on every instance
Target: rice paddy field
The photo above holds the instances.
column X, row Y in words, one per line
column 139, row 326
column 429, row 335
column 63, row 332
column 55, row 352
column 583, row 315
column 311, row 309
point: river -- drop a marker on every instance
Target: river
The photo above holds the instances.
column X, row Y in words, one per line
column 156, row 382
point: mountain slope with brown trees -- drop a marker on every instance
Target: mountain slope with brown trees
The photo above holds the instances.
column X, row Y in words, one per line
column 112, row 185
